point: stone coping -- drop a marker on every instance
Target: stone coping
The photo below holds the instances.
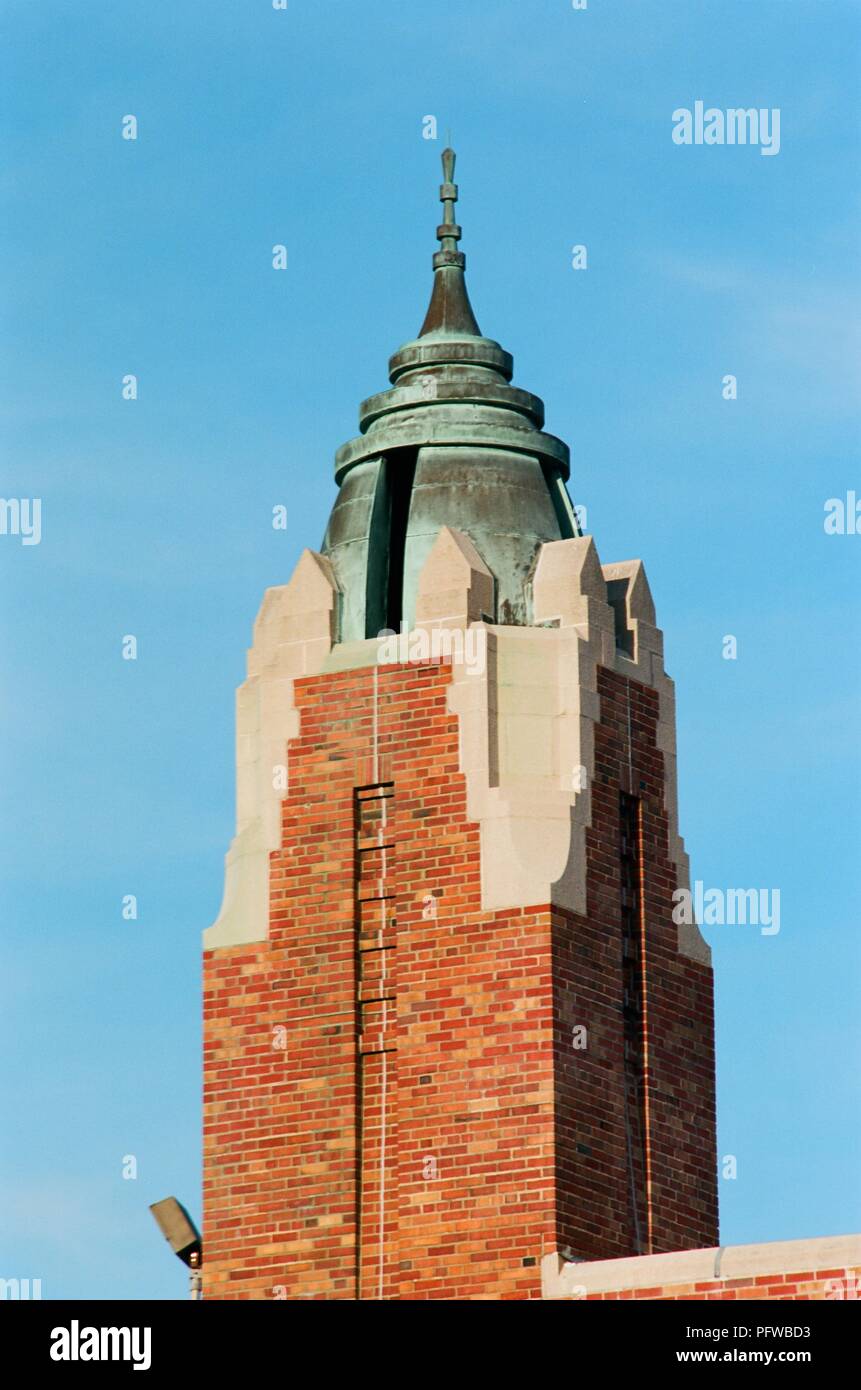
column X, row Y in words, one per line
column 559, row 1276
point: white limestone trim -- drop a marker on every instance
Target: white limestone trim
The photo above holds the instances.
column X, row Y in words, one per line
column 647, row 666
column 527, row 730
column 293, row 636
column 455, row 586
column 563, row 1279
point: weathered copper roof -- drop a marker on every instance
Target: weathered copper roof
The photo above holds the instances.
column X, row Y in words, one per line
column 451, row 443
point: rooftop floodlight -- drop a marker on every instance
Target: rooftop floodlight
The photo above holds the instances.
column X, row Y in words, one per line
column 182, row 1236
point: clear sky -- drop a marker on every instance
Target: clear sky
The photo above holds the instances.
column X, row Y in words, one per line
column 153, row 257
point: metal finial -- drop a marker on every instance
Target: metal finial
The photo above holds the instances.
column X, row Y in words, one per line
column 449, row 310
column 448, row 232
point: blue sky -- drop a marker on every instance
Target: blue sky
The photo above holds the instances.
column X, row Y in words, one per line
column 153, row 257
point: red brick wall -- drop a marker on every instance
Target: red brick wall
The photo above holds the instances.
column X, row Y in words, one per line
column 417, row 1028
column 803, row 1285
column 601, row 1151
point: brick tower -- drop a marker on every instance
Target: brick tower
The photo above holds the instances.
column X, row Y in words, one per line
column 450, row 1027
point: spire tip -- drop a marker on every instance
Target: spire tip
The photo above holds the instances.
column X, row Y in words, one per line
column 450, row 310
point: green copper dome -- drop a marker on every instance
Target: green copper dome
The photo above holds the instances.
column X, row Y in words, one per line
column 453, row 443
